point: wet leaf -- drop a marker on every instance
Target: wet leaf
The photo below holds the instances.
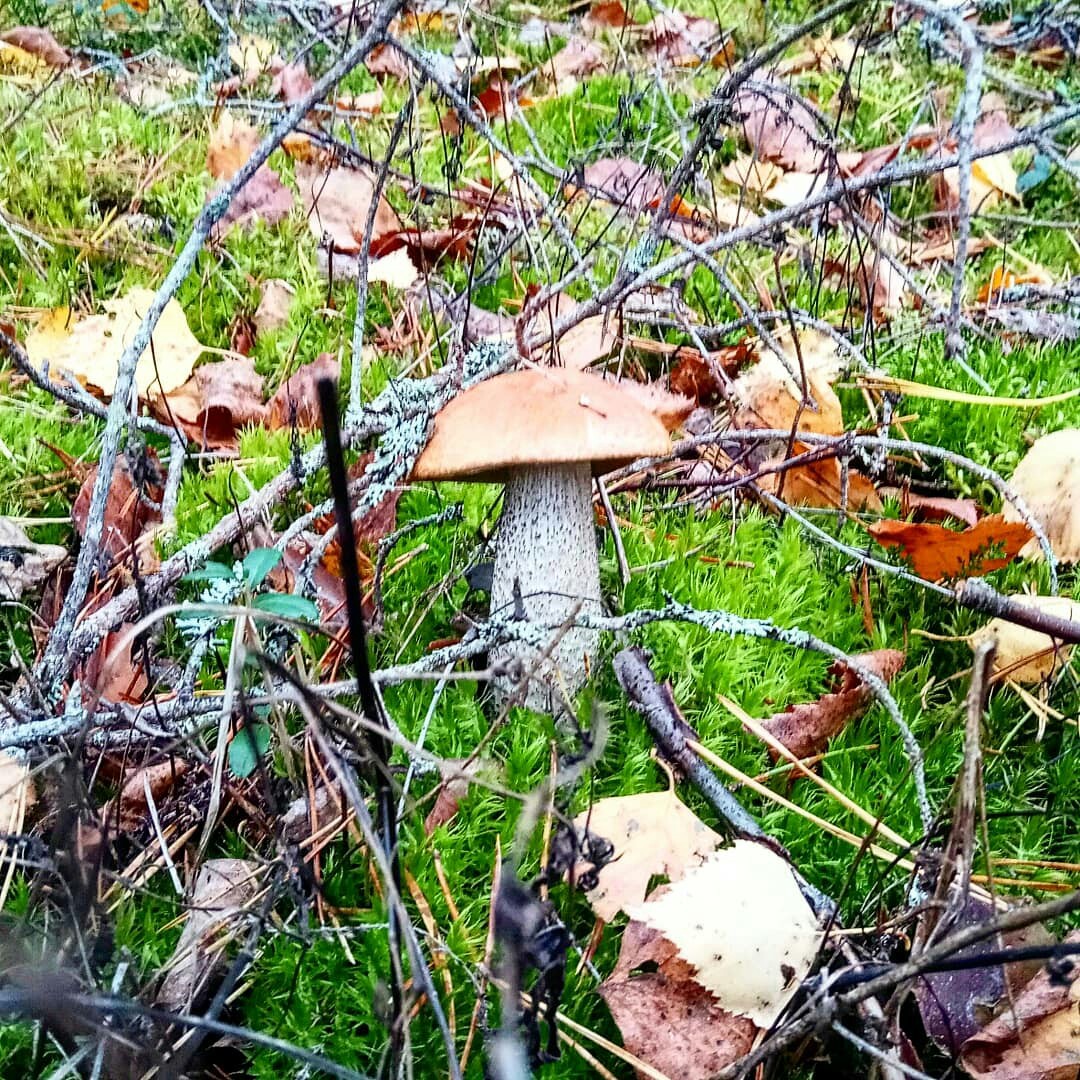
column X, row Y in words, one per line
column 678, row 39
column 939, row 554
column 653, row 833
column 740, row 920
column 114, row 672
column 806, row 729
column 1048, row 480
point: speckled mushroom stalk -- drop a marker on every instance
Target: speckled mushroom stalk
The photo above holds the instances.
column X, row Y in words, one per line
column 544, row 433
column 546, row 545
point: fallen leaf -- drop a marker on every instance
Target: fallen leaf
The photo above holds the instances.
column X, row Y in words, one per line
column 38, row 42
column 991, row 177
column 578, row 58
column 778, row 126
column 607, row 14
column 369, row 103
column 954, row 1005
column 92, row 347
column 24, row 565
column 1028, row 656
column 396, row 269
column 131, row 509
column 625, row 182
column 937, row 553
column 740, row 920
column 153, row 83
column 933, row 508
column 457, row 774
column 653, row 833
column 1001, row 278
column 129, row 811
column 296, row 401
column 252, row 55
column 215, row 403
column 1034, row 1039
column 750, row 172
column 263, row 197
column 386, row 60
column 824, row 53
column 275, row 301
column 1048, row 480
column 665, row 1016
column 337, row 202
column 16, row 793
column 820, row 483
column 222, row 889
column 232, row 142
column 114, row 671
column 292, row 82
column 678, row 39
column 806, row 729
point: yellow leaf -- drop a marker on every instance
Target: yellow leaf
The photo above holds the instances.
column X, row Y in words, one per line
column 16, row 61
column 252, row 55
column 997, row 172
column 91, row 348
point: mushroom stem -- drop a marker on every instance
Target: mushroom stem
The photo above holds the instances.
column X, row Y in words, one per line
column 547, row 544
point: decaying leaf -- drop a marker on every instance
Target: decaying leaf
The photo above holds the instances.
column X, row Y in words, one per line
column 1048, row 480
column 91, row 348
column 740, row 920
column 665, row 1016
column 954, row 1005
column 292, row 82
column 386, row 60
column 578, row 58
column 24, row 565
column 653, row 834
column 274, row 304
column 296, row 401
column 457, row 774
column 1035, row 1039
column 39, row 43
column 215, row 403
column 779, row 127
column 232, row 142
column 940, row 554
column 264, row 197
column 806, row 729
column 678, row 39
column 625, row 182
column 1028, row 656
column 221, row 890
column 132, row 508
column 128, row 811
column 337, row 202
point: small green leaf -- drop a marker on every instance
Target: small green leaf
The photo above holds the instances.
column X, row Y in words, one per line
column 212, row 571
column 248, row 745
column 258, row 564
column 291, row 607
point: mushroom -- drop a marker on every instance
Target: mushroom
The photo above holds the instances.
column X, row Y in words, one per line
column 544, row 433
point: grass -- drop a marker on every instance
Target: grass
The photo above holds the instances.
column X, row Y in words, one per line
column 76, row 155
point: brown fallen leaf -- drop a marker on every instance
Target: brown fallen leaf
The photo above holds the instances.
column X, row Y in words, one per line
column 275, row 301
column 607, row 15
column 232, row 142
column 578, row 58
column 1002, row 278
column 625, row 182
column 337, row 201
column 779, row 126
column 806, row 729
column 114, row 671
column 937, row 553
column 215, row 403
column 24, row 564
column 1034, row 1039
column 38, row 42
column 665, row 1016
column 128, row 811
column 653, row 833
column 457, row 774
column 386, row 60
column 292, row 82
column 934, row 508
column 678, row 39
column 221, row 890
column 264, row 197
column 296, row 401
column 133, row 507
column 698, row 377
column 1048, row 480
